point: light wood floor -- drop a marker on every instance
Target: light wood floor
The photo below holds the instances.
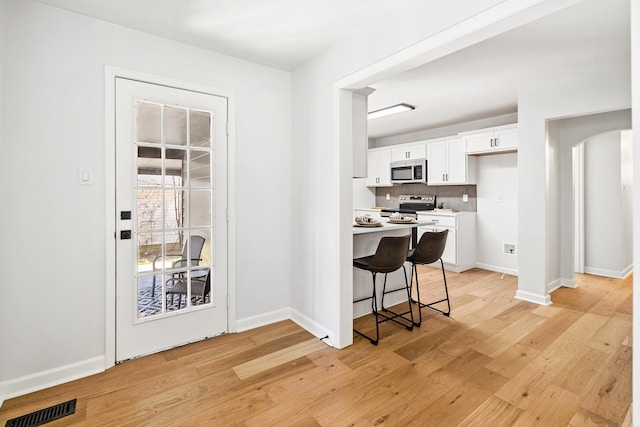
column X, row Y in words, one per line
column 495, row 361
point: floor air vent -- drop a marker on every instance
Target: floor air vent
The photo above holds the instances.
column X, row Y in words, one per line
column 44, row 416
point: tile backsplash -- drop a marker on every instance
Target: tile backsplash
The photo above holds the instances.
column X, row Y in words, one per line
column 450, row 195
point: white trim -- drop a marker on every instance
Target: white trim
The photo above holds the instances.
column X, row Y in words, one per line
column 262, row 319
column 534, row 298
column 567, row 283
column 578, row 206
column 312, row 327
column 111, row 73
column 556, row 284
column 497, row 268
column 615, row 274
column 285, row 314
column 51, row 377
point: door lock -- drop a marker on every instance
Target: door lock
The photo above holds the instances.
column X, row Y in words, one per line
column 125, row 234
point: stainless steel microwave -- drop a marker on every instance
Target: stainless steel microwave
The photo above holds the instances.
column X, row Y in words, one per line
column 409, row 171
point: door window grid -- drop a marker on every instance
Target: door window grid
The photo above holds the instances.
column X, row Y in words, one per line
column 181, row 168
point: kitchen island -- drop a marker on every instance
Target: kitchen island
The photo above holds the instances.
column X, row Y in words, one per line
column 365, row 242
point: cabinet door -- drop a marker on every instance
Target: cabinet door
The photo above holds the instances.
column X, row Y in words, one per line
column 414, row 151
column 378, row 173
column 450, row 254
column 479, row 143
column 450, row 250
column 506, row 139
column 457, row 160
column 437, row 164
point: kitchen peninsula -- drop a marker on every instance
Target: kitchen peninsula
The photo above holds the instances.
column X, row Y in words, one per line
column 365, row 242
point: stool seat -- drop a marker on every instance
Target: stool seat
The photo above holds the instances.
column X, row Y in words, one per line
column 429, row 250
column 390, row 255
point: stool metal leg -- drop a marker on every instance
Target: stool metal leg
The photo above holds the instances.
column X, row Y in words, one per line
column 374, row 310
column 395, row 315
column 430, row 305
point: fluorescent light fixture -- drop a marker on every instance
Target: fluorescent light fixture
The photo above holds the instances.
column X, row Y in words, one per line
column 398, row 108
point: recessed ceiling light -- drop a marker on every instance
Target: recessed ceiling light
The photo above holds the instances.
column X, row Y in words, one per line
column 398, row 108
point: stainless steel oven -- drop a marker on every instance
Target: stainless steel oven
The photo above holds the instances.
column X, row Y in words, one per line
column 410, row 205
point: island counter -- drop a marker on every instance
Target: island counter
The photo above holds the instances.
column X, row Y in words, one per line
column 365, row 242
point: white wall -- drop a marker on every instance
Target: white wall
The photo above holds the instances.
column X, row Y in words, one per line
column 52, row 310
column 497, row 221
column 626, row 146
column 563, row 135
column 599, row 89
column 604, row 203
column 635, row 99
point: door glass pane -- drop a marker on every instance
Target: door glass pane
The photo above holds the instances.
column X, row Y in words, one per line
column 149, row 302
column 174, row 165
column 149, row 252
column 200, row 127
column 149, row 166
column 200, row 169
column 200, row 212
column 175, row 126
column 174, row 208
column 149, row 122
column 149, row 209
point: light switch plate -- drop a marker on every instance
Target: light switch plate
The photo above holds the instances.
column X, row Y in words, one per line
column 85, row 175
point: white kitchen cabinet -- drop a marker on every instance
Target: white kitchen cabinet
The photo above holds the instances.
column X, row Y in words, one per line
column 493, row 140
column 460, row 251
column 448, row 163
column 378, row 170
column 408, row 152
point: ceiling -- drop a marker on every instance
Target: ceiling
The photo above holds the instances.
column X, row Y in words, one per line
column 477, row 82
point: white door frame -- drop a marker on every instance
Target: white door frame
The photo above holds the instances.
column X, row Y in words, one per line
column 578, row 207
column 111, row 73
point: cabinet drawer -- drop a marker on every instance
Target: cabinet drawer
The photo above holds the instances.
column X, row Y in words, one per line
column 446, row 221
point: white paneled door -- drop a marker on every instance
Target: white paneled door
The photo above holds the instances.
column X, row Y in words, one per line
column 171, row 222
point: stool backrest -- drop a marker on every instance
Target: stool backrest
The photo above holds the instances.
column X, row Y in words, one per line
column 430, row 247
column 390, row 254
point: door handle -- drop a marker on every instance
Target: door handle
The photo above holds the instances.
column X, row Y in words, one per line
column 125, row 234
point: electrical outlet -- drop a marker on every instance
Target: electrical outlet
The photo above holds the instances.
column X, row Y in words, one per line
column 510, row 248
column 465, row 198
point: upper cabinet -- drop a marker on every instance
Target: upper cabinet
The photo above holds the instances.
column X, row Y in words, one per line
column 448, row 163
column 378, row 170
column 492, row 140
column 406, row 152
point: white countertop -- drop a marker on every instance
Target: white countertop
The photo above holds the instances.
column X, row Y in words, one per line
column 433, row 212
column 387, row 226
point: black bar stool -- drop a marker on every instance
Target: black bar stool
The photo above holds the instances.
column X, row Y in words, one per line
column 390, row 255
column 429, row 250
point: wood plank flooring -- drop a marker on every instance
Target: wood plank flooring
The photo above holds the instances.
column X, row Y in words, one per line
column 496, row 361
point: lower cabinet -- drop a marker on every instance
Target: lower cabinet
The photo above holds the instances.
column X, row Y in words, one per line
column 460, row 252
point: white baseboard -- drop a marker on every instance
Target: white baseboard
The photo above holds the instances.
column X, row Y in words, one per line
column 534, row 298
column 609, row 273
column 285, row 314
column 49, row 378
column 567, row 283
column 313, row 327
column 552, row 286
column 497, row 269
column 263, row 319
